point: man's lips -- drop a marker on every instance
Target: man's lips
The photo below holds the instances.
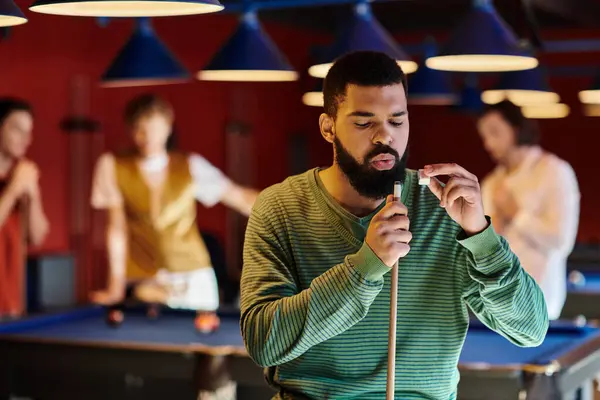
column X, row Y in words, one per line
column 383, row 157
column 383, row 162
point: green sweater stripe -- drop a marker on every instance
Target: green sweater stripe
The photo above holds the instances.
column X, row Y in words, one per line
column 315, row 298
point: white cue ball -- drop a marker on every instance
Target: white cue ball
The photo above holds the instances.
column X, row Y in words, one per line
column 576, row 278
column 580, row 321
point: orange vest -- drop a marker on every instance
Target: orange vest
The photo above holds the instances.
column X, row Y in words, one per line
column 161, row 225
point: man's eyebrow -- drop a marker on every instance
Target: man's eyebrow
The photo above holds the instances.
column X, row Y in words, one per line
column 361, row 114
column 370, row 114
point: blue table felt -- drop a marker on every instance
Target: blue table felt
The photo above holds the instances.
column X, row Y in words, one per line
column 88, row 325
column 485, row 346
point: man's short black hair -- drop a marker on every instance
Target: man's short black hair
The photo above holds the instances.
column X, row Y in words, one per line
column 526, row 130
column 144, row 105
column 8, row 105
column 361, row 68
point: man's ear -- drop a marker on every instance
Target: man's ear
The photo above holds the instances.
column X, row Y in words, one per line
column 327, row 127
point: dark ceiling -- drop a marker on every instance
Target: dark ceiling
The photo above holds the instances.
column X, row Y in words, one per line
column 418, row 16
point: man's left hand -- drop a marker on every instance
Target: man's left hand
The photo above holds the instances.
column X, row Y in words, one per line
column 461, row 197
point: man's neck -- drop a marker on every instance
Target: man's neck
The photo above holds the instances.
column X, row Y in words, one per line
column 338, row 186
column 153, row 156
column 515, row 158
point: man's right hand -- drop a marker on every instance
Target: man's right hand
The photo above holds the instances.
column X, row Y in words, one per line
column 107, row 297
column 388, row 234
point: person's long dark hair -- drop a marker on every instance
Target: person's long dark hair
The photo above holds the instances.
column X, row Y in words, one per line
column 526, row 130
column 172, row 142
column 8, row 105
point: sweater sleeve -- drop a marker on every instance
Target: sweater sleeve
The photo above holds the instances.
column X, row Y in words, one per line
column 499, row 291
column 279, row 321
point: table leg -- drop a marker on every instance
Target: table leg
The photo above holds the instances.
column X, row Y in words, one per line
column 227, row 392
column 587, row 390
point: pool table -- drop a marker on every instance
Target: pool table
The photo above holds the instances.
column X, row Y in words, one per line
column 563, row 367
column 75, row 355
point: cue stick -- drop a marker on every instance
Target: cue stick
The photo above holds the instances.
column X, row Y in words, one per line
column 391, row 371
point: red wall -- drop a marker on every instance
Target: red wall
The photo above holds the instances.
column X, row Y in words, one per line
column 41, row 57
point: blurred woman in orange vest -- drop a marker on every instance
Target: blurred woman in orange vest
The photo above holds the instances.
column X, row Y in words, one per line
column 22, row 217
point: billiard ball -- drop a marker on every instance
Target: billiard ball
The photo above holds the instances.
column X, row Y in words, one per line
column 207, row 322
column 152, row 312
column 114, row 318
column 580, row 321
column 576, row 278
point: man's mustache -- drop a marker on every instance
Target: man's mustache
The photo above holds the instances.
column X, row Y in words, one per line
column 382, row 149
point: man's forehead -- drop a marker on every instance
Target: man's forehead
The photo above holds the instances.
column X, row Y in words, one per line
column 388, row 96
column 19, row 117
column 355, row 87
column 492, row 117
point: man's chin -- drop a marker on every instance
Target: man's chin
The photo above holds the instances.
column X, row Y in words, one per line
column 375, row 184
column 390, row 173
column 498, row 159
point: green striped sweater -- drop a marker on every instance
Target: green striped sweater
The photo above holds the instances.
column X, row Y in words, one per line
column 315, row 298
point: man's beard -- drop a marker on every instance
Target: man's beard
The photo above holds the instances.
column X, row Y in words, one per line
column 366, row 180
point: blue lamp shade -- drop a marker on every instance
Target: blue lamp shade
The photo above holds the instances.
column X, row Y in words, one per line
column 144, row 61
column 483, row 42
column 249, row 55
column 470, row 96
column 592, row 95
column 126, row 8
column 523, row 88
column 363, row 32
column 10, row 14
column 429, row 86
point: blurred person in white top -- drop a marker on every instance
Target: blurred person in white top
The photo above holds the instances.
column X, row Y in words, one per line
column 532, row 197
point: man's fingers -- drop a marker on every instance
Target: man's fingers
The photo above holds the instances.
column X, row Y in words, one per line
column 400, row 237
column 391, row 209
column 454, row 183
column 398, row 222
column 396, row 237
column 436, row 188
column 450, row 169
column 469, row 193
column 401, row 249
